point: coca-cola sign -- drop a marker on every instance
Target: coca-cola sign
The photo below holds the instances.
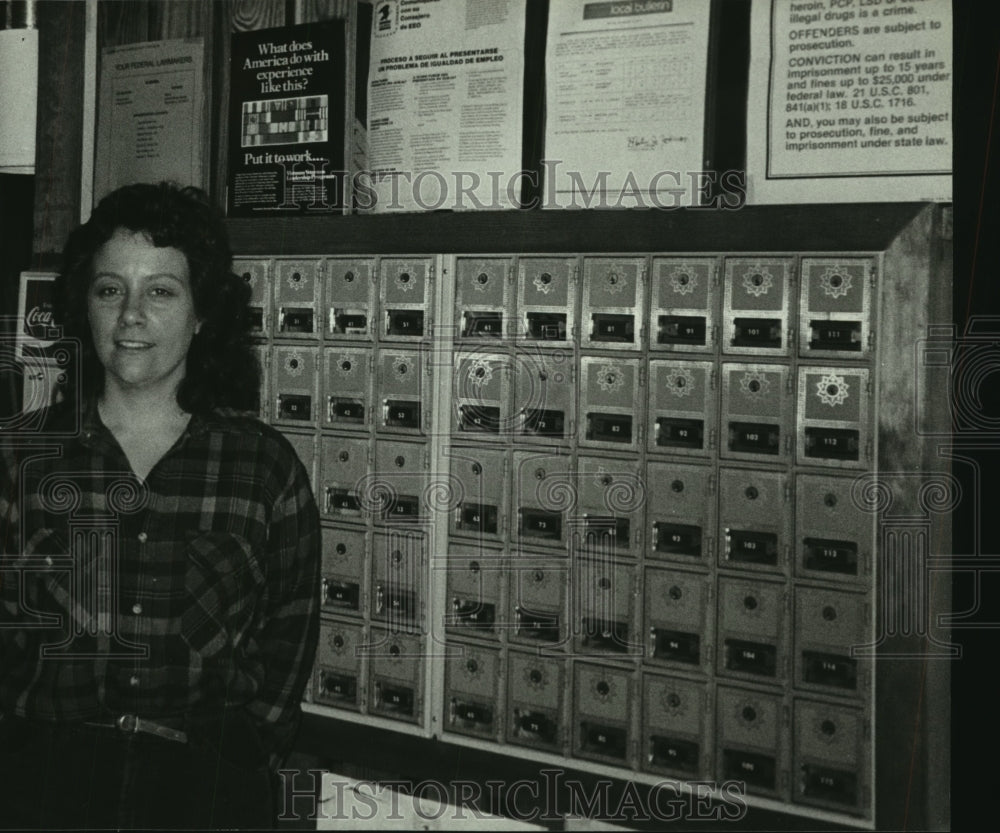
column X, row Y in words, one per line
column 38, row 336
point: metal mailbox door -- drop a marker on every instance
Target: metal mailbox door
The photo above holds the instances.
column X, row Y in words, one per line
column 833, row 417
column 347, row 391
column 756, row 313
column 682, row 407
column 613, row 301
column 256, row 272
column 481, row 396
column 482, row 482
column 482, row 302
column 682, row 304
column 345, row 556
column 752, row 641
column 350, row 299
column 678, row 619
column 611, row 406
column 602, row 714
column 405, row 286
column 751, row 745
column 294, row 379
column 681, row 514
column 835, row 310
column 544, row 395
column 546, row 300
column 473, row 674
column 297, row 285
column 757, row 412
column 344, row 467
column 674, row 733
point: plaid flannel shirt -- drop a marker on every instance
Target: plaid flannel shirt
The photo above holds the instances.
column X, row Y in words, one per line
column 195, row 590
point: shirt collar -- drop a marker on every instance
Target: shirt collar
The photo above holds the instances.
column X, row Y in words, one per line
column 93, row 431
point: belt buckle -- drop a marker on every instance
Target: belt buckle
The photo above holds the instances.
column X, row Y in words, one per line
column 128, row 723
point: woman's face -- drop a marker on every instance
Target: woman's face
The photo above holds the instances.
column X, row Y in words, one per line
column 141, row 313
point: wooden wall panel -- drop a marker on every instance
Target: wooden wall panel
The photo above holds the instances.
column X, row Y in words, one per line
column 258, row 14
column 308, row 11
column 58, row 144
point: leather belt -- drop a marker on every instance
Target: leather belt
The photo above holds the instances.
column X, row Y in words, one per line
column 130, row 724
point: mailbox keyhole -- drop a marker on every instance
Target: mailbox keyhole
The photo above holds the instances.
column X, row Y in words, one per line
column 604, row 583
column 751, row 493
column 675, row 592
column 483, row 278
column 539, row 474
column 545, row 278
column 680, row 382
column 612, row 278
column 341, row 549
column 401, row 369
column 829, row 613
column 296, row 276
column 535, row 675
column 472, row 666
column 750, row 603
column 394, row 650
column 684, row 279
column 343, row 456
column 538, row 576
column 673, row 700
column 830, row 499
column 749, row 714
column 753, row 386
column 477, row 468
column 757, row 279
column 247, row 277
column 397, row 556
column 404, row 277
column 400, row 461
column 293, row 363
column 474, row 566
column 677, row 486
column 345, row 365
column 832, row 390
column 606, row 480
column 349, row 277
column 836, row 280
column 828, row 727
column 603, row 688
column 338, row 641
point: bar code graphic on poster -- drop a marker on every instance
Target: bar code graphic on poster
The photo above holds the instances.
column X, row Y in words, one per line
column 286, row 121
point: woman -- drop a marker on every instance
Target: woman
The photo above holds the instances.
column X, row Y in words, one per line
column 159, row 587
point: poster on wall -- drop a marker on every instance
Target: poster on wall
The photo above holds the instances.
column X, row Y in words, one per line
column 286, row 121
column 625, row 103
column 850, row 102
column 445, row 106
column 150, row 115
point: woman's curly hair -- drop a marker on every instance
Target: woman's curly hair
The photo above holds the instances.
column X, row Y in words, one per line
column 222, row 369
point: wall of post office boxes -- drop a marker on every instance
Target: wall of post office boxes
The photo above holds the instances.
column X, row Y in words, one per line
column 593, row 506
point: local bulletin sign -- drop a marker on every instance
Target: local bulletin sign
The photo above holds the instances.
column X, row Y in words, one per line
column 850, row 101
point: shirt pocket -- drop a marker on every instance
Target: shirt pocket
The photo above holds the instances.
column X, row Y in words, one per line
column 223, row 582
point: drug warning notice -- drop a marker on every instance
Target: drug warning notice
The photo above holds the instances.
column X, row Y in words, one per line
column 851, row 100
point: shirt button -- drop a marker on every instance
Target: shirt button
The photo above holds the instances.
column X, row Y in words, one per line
column 137, row 608
column 133, row 681
column 142, row 537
